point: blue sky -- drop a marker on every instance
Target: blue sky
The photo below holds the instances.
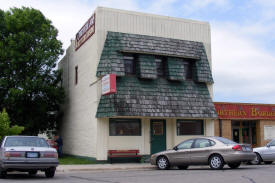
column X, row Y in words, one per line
column 242, row 32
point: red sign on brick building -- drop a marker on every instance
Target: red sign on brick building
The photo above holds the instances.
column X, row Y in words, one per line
column 245, row 111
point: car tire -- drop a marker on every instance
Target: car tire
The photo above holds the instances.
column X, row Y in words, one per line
column 163, row 163
column 234, row 165
column 183, row 167
column 268, row 162
column 50, row 172
column 3, row 174
column 33, row 172
column 257, row 160
column 216, row 162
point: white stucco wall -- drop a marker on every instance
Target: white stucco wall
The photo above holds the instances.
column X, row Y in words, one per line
column 86, row 135
column 79, row 124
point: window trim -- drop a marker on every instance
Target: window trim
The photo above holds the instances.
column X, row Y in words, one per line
column 126, row 120
column 184, row 120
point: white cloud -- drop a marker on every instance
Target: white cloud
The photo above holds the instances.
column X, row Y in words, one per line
column 266, row 3
column 242, row 69
column 164, row 7
column 195, row 6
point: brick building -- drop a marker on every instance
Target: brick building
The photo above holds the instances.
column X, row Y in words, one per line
column 246, row 123
column 163, row 83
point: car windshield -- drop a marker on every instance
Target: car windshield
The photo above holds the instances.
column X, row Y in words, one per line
column 225, row 140
column 25, row 141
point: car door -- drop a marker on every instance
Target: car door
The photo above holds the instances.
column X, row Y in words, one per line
column 200, row 151
column 181, row 154
column 270, row 151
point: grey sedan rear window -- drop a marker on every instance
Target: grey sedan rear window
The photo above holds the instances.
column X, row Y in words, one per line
column 225, row 141
column 25, row 141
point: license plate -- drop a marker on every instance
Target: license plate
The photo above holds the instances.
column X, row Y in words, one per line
column 32, row 155
column 247, row 149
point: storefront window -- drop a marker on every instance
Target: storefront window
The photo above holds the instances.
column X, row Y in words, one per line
column 125, row 127
column 189, row 127
column 246, row 135
column 246, row 130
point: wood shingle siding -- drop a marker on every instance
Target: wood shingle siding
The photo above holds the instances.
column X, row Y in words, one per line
column 157, row 98
column 175, row 69
column 146, row 67
column 111, row 60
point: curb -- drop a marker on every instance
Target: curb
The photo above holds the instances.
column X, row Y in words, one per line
column 75, row 168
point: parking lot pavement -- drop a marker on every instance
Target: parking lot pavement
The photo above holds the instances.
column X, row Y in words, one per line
column 194, row 174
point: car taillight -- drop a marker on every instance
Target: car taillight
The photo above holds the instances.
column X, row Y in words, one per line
column 50, row 155
column 14, row 154
column 237, row 148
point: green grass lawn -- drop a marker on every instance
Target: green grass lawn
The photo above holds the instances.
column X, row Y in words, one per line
column 76, row 160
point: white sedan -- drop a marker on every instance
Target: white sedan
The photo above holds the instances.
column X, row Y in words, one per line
column 265, row 154
column 27, row 154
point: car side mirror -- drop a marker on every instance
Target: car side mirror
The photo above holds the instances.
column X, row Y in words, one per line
column 267, row 145
column 175, row 148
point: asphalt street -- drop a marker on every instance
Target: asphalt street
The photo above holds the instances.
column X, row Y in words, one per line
column 201, row 174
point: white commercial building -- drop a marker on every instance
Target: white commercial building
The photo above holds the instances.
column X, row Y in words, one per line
column 161, row 83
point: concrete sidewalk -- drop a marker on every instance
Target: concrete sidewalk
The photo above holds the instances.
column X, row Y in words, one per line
column 95, row 167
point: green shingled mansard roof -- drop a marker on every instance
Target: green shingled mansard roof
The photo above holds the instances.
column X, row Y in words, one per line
column 146, row 94
column 111, row 60
column 157, row 98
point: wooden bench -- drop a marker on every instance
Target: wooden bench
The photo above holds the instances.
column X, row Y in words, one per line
column 123, row 154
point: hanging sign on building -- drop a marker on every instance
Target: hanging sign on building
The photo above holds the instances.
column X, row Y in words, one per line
column 245, row 111
column 85, row 32
column 108, row 84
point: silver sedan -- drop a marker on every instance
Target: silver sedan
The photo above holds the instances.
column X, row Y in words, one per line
column 27, row 154
column 265, row 154
column 213, row 151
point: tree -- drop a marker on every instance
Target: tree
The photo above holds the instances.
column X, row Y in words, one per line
column 5, row 128
column 29, row 83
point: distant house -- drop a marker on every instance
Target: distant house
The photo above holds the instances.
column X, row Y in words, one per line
column 163, row 83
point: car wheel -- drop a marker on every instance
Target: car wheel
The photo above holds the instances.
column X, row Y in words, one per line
column 234, row 165
column 50, row 172
column 183, row 167
column 257, row 160
column 268, row 162
column 163, row 163
column 33, row 172
column 216, row 162
column 3, row 174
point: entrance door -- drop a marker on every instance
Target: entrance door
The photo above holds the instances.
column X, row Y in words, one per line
column 236, row 135
column 158, row 135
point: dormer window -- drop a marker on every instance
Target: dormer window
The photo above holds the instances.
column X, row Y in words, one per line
column 160, row 64
column 129, row 64
column 188, row 68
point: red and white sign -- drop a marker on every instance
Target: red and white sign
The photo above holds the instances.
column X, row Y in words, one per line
column 108, row 84
column 85, row 32
column 245, row 111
